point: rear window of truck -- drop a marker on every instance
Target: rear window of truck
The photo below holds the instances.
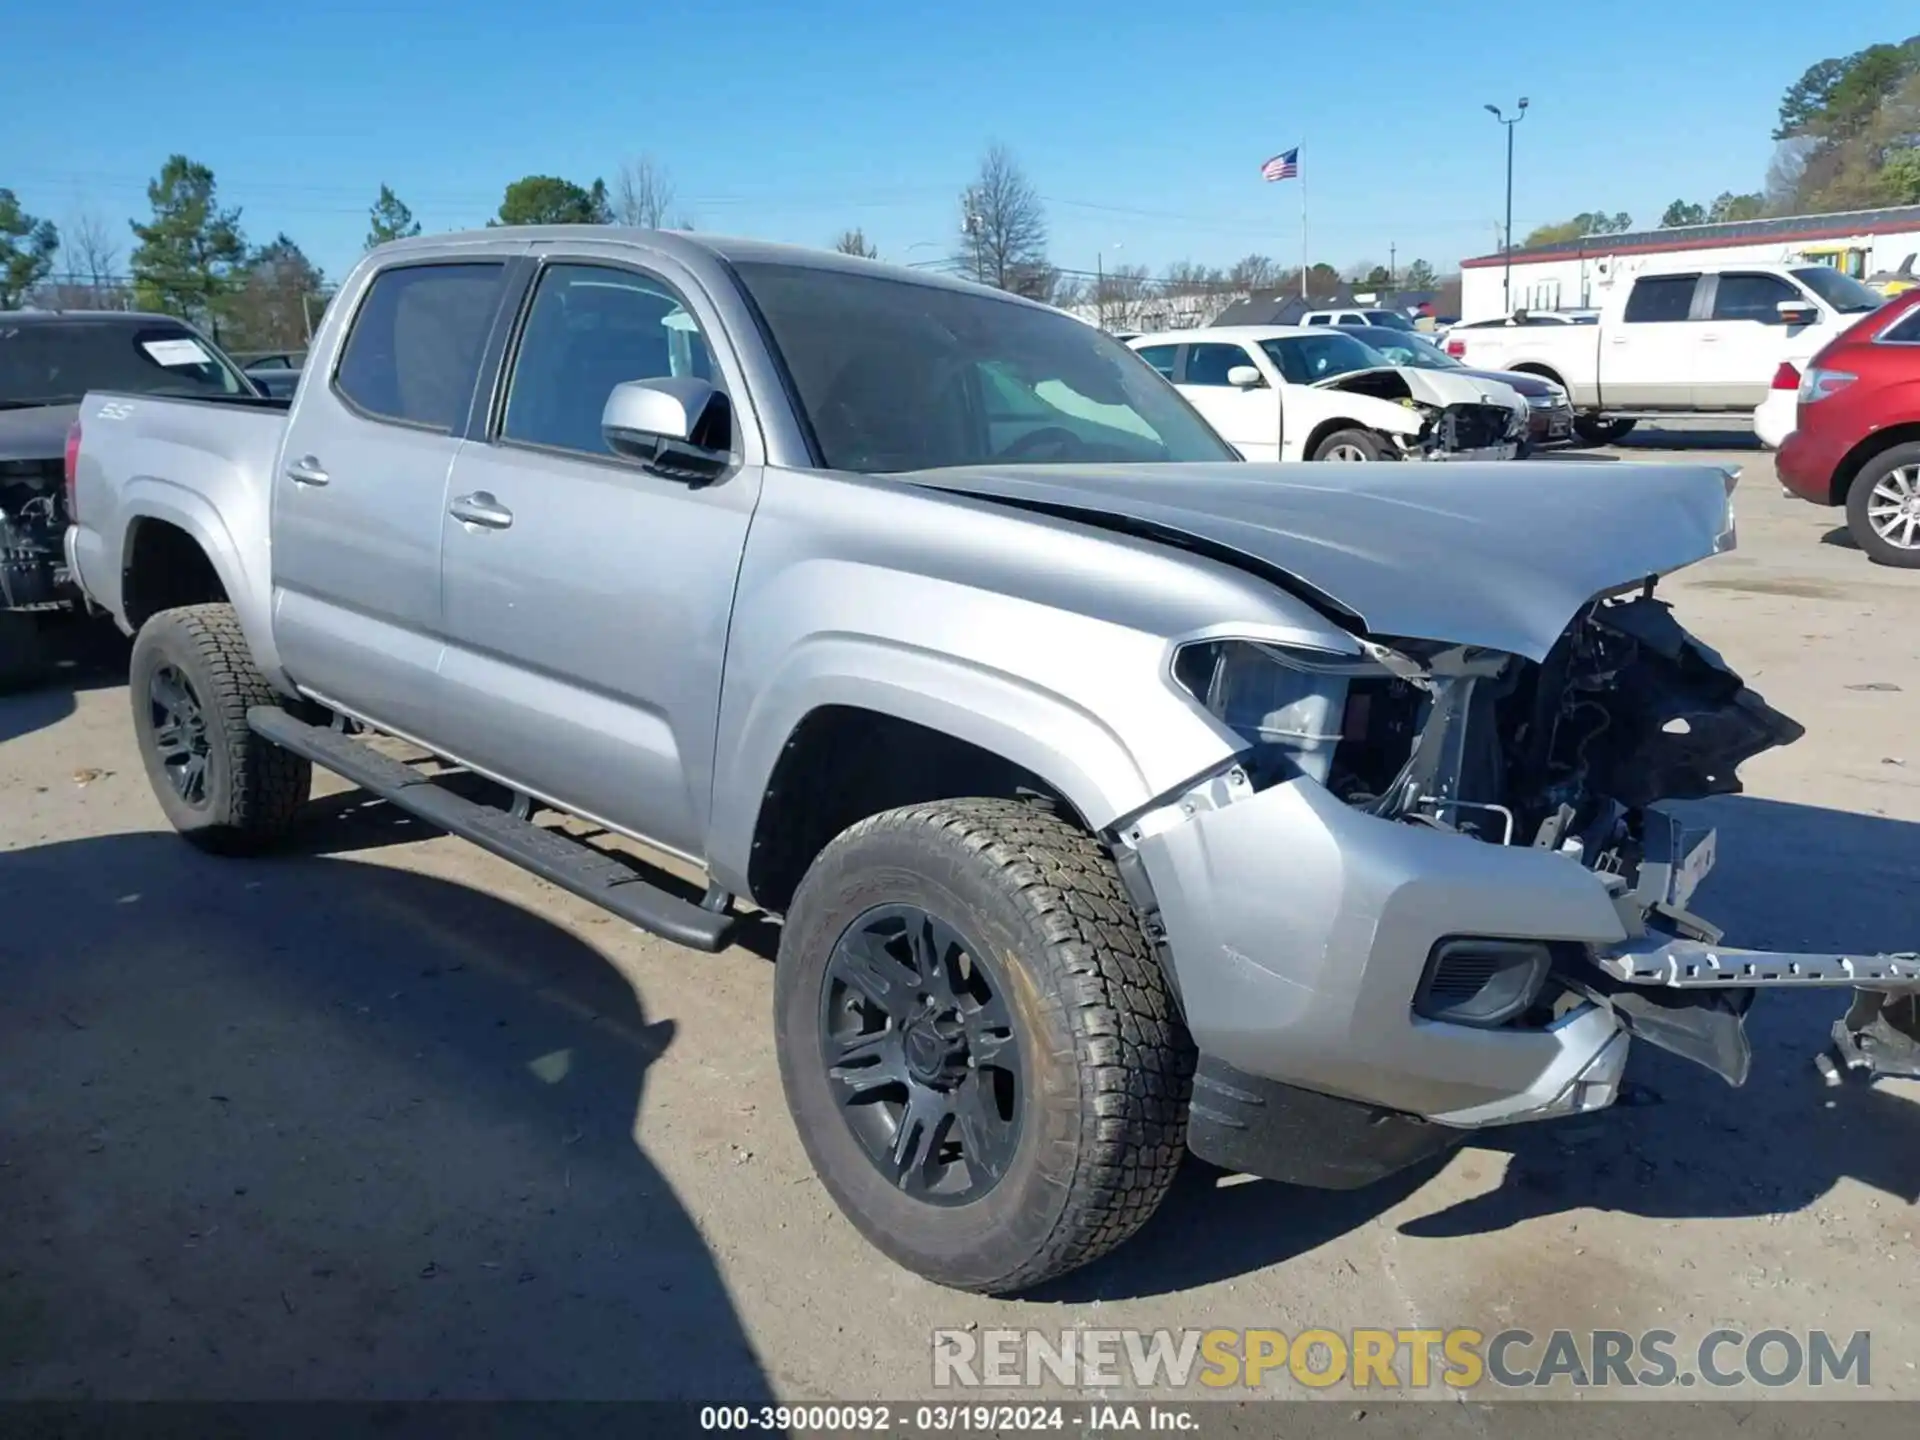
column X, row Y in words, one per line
column 415, row 343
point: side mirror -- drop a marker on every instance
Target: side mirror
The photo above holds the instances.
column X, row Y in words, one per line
column 1797, row 312
column 681, row 427
column 1246, row 377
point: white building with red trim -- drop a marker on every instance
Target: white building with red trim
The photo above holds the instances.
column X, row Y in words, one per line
column 1576, row 274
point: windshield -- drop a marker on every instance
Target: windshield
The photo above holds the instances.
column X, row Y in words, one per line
column 1389, row 319
column 898, row 376
column 1842, row 292
column 1409, row 349
column 54, row 363
column 1304, row 359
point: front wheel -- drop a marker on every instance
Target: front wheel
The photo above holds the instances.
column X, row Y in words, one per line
column 1883, row 507
column 1351, row 446
column 192, row 679
column 1598, row 431
column 978, row 1045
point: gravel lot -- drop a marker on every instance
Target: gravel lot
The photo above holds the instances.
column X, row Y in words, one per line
column 385, row 1118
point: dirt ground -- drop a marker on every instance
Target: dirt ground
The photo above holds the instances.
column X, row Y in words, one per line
column 382, row 1117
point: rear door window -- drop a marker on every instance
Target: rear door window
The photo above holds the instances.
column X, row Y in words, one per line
column 1160, row 357
column 415, row 345
column 1905, row 331
column 1657, row 298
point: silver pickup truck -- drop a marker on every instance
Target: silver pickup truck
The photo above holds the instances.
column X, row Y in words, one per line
column 1114, row 798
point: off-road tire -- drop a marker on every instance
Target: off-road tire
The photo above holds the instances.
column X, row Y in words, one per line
column 1365, row 441
column 1103, row 1127
column 1596, row 431
column 254, row 789
column 1860, row 492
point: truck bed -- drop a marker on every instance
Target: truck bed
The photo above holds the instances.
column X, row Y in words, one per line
column 184, row 460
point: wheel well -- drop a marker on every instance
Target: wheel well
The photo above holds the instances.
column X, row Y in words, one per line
column 1330, row 427
column 1528, row 367
column 165, row 568
column 1857, row 458
column 842, row 764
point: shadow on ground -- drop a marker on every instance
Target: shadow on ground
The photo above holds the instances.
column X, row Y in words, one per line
column 80, row 654
column 314, row 1128
column 1789, row 876
column 1654, row 437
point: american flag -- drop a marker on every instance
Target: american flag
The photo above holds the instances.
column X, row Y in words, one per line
column 1284, row 166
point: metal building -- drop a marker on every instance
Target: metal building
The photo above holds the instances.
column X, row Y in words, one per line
column 1870, row 245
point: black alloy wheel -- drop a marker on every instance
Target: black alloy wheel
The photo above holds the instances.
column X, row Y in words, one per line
column 918, row 1041
column 179, row 734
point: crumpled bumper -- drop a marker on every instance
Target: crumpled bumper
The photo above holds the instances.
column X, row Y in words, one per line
column 1300, row 930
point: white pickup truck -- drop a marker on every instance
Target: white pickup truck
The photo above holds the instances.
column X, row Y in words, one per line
column 1699, row 339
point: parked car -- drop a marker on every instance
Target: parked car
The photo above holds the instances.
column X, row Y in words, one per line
column 1549, row 411
column 1700, row 341
column 1856, row 434
column 1285, row 392
column 1774, row 417
column 1378, row 319
column 48, row 360
column 1116, row 797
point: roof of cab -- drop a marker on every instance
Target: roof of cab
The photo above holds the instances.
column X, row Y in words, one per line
column 687, row 246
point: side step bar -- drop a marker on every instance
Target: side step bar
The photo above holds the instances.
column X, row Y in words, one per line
column 590, row 873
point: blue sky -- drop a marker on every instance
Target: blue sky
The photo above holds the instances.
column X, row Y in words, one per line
column 1144, row 124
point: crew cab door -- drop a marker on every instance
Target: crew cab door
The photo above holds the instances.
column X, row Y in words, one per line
column 1648, row 357
column 587, row 598
column 1743, row 340
column 359, row 498
column 1247, row 419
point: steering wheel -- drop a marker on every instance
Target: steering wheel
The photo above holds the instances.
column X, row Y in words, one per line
column 1057, row 436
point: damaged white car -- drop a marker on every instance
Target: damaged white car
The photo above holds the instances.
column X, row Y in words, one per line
column 1285, row 392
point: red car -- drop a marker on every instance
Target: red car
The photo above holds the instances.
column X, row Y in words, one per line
column 1856, row 438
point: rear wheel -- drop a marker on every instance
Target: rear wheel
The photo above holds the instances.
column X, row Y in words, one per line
column 192, row 680
column 1351, row 446
column 1597, row 431
column 977, row 1044
column 1883, row 507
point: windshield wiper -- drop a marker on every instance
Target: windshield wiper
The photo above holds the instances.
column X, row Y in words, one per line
column 32, row 404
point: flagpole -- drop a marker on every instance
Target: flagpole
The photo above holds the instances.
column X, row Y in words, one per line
column 1302, row 177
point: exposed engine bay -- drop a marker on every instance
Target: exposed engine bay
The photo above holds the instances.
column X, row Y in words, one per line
column 33, row 522
column 1571, row 755
column 1447, row 428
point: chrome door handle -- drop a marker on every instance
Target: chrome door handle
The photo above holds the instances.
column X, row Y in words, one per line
column 480, row 508
column 306, row 471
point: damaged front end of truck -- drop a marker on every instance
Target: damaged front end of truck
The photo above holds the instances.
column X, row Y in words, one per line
column 1569, row 756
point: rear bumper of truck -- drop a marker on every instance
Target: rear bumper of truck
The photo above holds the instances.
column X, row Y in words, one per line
column 1302, row 931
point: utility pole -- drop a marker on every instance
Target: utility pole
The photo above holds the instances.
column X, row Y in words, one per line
column 1506, row 274
column 1393, row 255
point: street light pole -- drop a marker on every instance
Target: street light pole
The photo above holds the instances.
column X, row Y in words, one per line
column 1506, row 274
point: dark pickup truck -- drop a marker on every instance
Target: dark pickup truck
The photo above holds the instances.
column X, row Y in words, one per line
column 48, row 360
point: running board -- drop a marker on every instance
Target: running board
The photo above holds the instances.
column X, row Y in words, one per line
column 586, row 871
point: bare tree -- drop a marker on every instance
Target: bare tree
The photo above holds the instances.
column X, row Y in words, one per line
column 855, row 242
column 1185, row 277
column 87, row 276
column 1003, row 229
column 1254, row 272
column 642, row 194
